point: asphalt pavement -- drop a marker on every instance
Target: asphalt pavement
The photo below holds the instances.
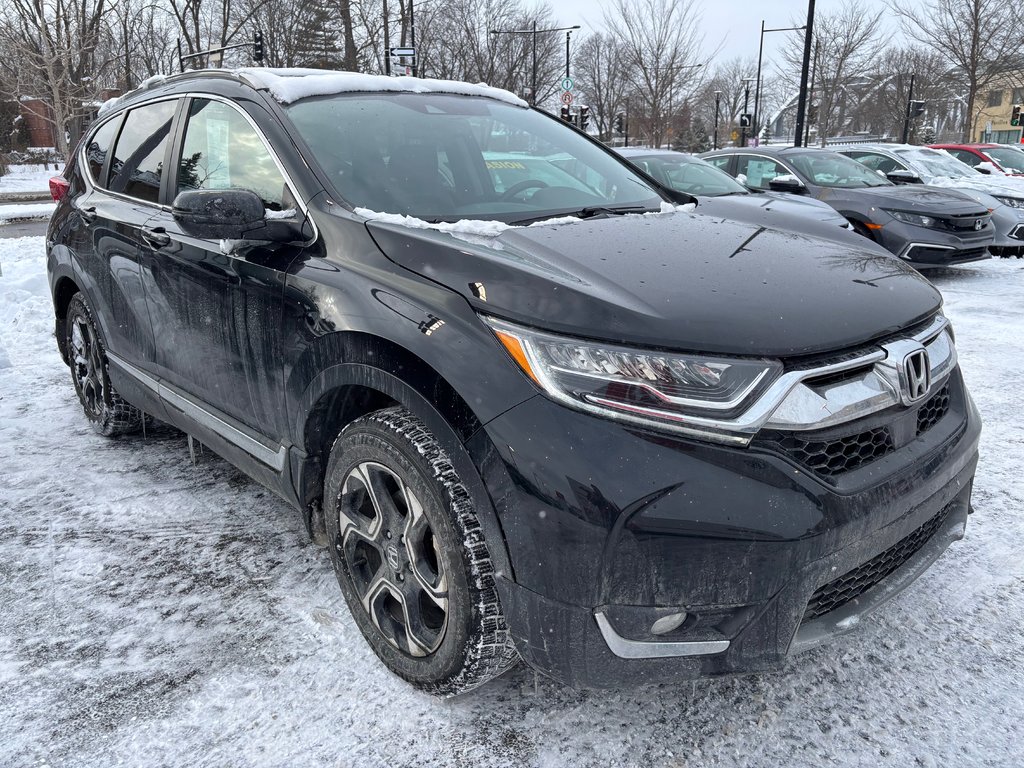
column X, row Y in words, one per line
column 23, row 229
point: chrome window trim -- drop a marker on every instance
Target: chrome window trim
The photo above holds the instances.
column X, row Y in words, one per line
column 642, row 649
column 273, row 455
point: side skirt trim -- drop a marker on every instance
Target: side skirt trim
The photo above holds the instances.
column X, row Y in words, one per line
column 273, row 455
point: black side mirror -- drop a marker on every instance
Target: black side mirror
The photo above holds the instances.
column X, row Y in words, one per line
column 231, row 214
column 903, row 176
column 787, row 183
column 982, row 168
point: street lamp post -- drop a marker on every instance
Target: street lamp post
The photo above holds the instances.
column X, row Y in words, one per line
column 757, row 88
column 533, row 31
column 801, row 104
column 718, row 101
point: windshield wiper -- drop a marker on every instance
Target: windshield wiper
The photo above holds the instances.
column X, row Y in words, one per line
column 587, row 213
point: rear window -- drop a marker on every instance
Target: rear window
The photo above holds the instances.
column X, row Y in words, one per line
column 138, row 164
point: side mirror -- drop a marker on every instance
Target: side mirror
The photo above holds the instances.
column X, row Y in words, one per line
column 231, row 214
column 903, row 176
column 787, row 183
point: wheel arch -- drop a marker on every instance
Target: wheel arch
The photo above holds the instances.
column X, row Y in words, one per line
column 378, row 373
column 64, row 289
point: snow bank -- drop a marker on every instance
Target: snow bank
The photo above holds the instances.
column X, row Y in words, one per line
column 29, row 178
column 288, row 85
column 23, row 211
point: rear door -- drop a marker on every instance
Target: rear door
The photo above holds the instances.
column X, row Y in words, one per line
column 125, row 195
column 216, row 305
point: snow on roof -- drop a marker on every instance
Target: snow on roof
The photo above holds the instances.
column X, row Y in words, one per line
column 288, row 85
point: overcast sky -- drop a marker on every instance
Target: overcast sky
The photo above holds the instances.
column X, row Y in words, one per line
column 735, row 25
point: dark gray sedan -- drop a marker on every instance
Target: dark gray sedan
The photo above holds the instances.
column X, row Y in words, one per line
column 719, row 194
column 927, row 226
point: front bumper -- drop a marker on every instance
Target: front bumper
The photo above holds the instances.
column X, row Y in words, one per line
column 604, row 520
column 927, row 247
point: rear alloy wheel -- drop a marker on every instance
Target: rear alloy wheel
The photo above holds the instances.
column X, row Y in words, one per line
column 107, row 411
column 410, row 556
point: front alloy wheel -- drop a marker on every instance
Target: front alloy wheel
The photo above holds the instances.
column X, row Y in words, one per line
column 410, row 555
column 394, row 559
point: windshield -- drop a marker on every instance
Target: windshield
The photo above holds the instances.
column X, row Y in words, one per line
column 442, row 157
column 830, row 169
column 689, row 174
column 932, row 163
column 1010, row 160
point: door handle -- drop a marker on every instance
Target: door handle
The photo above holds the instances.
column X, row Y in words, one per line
column 88, row 214
column 157, row 237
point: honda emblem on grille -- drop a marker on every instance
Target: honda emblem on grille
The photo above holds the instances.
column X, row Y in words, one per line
column 979, row 224
column 917, row 375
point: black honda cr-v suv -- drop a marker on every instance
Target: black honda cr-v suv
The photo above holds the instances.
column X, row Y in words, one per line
column 550, row 416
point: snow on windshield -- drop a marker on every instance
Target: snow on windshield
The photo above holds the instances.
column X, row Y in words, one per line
column 290, row 85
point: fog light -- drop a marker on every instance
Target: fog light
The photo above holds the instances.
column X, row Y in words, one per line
column 668, row 623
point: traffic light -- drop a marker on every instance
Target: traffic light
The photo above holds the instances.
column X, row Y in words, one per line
column 1015, row 117
column 257, row 47
column 916, row 108
column 620, row 122
column 584, row 117
column 566, row 114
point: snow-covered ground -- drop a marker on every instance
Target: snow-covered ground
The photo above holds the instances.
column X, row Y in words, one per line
column 153, row 612
column 28, row 178
column 25, row 211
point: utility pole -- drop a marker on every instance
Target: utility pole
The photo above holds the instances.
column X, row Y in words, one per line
column 533, row 86
column 906, row 120
column 801, row 105
column 387, row 42
column 746, row 104
column 567, row 34
column 810, row 96
column 718, row 100
column 412, row 40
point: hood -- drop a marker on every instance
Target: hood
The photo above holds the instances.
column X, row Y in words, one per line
column 781, row 211
column 676, row 281
column 910, row 197
column 1006, row 186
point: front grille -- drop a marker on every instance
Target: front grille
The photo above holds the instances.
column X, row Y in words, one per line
column 833, row 456
column 965, row 222
column 853, row 584
column 1018, row 232
column 836, row 457
column 931, row 412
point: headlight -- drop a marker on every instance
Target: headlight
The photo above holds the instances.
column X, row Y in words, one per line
column 686, row 393
column 913, row 218
column 1013, row 202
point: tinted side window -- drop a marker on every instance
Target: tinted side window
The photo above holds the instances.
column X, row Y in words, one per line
column 759, row 170
column 964, row 156
column 97, row 149
column 138, row 162
column 222, row 151
column 719, row 161
column 877, row 162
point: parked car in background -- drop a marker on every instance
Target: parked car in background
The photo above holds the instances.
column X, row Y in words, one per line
column 719, row 194
column 909, row 164
column 926, row 226
column 1000, row 158
column 527, row 419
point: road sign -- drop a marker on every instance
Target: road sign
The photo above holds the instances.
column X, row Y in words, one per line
column 735, row 135
column 746, row 120
column 403, row 51
column 566, row 98
column 567, row 83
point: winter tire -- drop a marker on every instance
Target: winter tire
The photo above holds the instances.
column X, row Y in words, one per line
column 410, row 556
column 107, row 411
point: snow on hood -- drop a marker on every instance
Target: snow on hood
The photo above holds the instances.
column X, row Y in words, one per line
column 288, row 85
column 479, row 228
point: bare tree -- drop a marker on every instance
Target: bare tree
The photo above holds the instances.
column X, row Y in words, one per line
column 660, row 43
column 845, row 47
column 48, row 49
column 978, row 37
column 601, row 78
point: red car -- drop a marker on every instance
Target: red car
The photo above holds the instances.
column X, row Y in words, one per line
column 1005, row 157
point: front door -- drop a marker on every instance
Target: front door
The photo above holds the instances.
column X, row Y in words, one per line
column 217, row 305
